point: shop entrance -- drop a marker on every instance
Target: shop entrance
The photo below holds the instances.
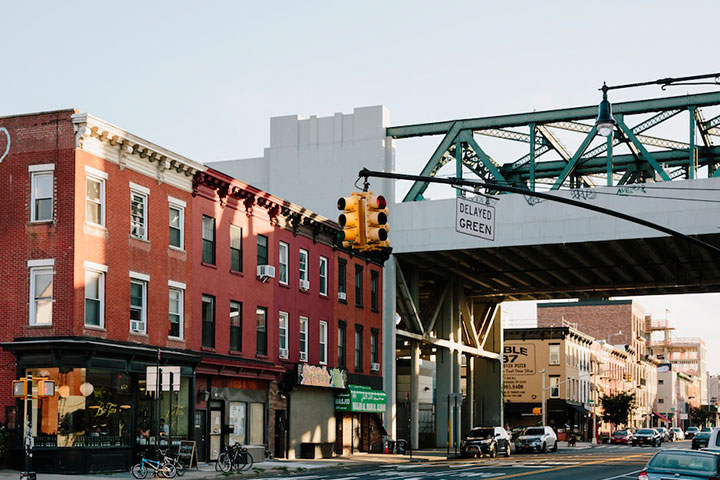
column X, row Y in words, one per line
column 280, row 433
column 200, row 436
column 216, row 421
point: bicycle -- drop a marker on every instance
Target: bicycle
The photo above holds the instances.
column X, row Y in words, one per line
column 234, row 457
column 161, row 469
column 174, row 461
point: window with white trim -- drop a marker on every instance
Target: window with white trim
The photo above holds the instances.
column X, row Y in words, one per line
column 177, row 225
column 41, row 196
column 323, row 342
column 138, row 306
column 283, row 250
column 303, row 338
column 175, row 312
column 94, row 298
column 554, row 349
column 554, row 386
column 41, row 295
column 282, row 334
column 323, row 275
column 303, row 260
column 236, row 260
column 138, row 214
column 95, row 200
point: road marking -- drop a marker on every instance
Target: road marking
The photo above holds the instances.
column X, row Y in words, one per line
column 523, row 474
column 623, row 475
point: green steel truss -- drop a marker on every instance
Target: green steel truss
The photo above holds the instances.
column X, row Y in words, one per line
column 641, row 157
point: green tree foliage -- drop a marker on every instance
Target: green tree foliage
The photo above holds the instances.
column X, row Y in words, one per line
column 703, row 414
column 618, row 408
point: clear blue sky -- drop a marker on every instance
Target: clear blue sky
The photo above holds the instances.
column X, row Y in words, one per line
column 203, row 78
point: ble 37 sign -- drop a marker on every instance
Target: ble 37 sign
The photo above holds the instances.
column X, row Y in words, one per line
column 474, row 218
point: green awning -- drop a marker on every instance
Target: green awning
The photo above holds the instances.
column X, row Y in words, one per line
column 358, row 398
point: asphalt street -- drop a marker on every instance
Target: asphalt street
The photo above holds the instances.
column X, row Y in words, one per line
column 604, row 462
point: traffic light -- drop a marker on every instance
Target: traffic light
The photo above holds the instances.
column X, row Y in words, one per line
column 352, row 220
column 376, row 218
column 628, row 377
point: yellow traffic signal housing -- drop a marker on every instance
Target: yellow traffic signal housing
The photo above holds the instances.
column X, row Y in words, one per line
column 46, row 388
column 19, row 388
column 537, row 411
column 352, row 220
column 377, row 219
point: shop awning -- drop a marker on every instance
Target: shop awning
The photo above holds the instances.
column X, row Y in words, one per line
column 661, row 416
column 358, row 398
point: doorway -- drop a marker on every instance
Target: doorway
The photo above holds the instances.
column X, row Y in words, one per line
column 200, row 436
column 215, row 430
column 280, row 433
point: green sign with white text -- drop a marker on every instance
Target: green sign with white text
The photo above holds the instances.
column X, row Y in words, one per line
column 358, row 398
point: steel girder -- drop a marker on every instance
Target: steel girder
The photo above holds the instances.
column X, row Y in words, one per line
column 651, row 157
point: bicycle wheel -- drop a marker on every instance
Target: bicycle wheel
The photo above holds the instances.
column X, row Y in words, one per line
column 223, row 463
column 139, row 471
column 248, row 459
column 167, row 471
column 179, row 467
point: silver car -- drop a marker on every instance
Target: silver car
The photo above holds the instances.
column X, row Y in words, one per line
column 540, row 439
column 682, row 465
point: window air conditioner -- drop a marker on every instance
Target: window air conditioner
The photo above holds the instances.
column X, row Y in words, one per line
column 283, row 353
column 375, row 367
column 136, row 326
column 304, row 284
column 303, row 356
column 342, row 296
column 265, row 272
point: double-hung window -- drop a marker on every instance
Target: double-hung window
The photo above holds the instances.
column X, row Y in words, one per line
column 176, row 211
column 323, row 275
column 374, row 345
column 358, row 285
column 342, row 285
column 262, row 330
column 358, row 347
column 374, row 285
column 208, row 240
column 342, row 343
column 139, row 211
column 554, row 349
column 262, row 250
column 208, row 321
column 138, row 302
column 282, row 334
column 303, row 339
column 41, row 192
column 235, row 326
column 236, row 260
column 554, row 386
column 95, row 295
column 41, row 291
column 176, row 294
column 303, row 263
column 283, row 250
column 95, row 196
column 323, row 342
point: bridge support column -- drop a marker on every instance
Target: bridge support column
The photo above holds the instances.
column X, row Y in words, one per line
column 388, row 346
column 488, row 380
column 468, row 412
column 414, row 394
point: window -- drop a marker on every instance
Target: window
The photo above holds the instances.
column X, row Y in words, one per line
column 303, row 338
column 554, row 353
column 235, row 326
column 303, row 258
column 282, row 334
column 554, row 386
column 261, row 330
column 138, row 212
column 342, row 266
column 208, row 240
column 358, row 285
column 660, row 382
column 374, row 284
column 208, row 321
column 342, row 343
column 236, row 263
column 41, row 194
column 323, row 275
column 262, row 250
column 283, row 263
column 358, row 347
column 175, row 311
column 177, row 223
column 374, row 345
column 323, row 343
column 41, row 291
column 138, row 305
column 95, row 197
column 95, row 295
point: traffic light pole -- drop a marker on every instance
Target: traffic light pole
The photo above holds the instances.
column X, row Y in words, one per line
column 28, row 474
column 476, row 185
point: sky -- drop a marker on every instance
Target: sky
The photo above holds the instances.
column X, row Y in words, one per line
column 204, row 78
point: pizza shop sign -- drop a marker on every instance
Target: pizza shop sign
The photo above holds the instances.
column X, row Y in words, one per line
column 321, row 376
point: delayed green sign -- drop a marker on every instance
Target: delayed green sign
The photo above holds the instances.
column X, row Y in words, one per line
column 358, row 398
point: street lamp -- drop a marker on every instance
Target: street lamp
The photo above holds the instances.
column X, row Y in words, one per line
column 605, row 122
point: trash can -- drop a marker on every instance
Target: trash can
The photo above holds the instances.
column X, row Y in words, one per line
column 391, row 446
column 401, row 447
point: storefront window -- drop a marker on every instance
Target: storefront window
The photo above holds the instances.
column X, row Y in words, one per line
column 146, row 418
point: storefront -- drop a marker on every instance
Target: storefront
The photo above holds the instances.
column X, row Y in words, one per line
column 102, row 415
column 358, row 420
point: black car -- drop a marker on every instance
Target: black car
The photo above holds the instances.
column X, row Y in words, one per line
column 486, row 441
column 671, row 464
column 700, row 440
column 647, row 436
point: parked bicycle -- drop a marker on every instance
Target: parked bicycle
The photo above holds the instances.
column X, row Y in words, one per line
column 161, row 469
column 174, row 461
column 234, row 457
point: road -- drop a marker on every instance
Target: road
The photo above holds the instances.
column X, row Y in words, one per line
column 605, row 462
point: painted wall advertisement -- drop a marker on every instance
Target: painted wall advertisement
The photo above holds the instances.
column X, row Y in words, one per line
column 519, row 371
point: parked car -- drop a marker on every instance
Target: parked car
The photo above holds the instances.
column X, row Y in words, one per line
column 678, row 433
column 516, row 432
column 647, row 436
column 700, row 440
column 682, row 464
column 690, row 432
column 624, row 437
column 486, row 441
column 540, row 439
column 664, row 434
column 706, row 429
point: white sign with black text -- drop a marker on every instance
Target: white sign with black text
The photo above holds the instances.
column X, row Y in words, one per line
column 475, row 218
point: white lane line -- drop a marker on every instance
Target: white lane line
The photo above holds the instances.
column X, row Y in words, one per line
column 624, row 475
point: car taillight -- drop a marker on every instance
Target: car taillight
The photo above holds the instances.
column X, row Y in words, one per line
column 642, row 475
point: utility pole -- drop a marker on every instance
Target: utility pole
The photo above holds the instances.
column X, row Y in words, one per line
column 595, row 399
column 28, row 474
column 544, row 407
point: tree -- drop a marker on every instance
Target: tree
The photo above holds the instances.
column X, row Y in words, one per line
column 703, row 414
column 618, row 408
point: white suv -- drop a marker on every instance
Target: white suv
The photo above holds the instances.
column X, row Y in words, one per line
column 540, row 439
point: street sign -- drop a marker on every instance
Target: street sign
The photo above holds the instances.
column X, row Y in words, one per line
column 474, row 218
column 151, row 377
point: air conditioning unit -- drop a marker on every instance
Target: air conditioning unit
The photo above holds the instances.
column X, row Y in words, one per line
column 342, row 296
column 137, row 327
column 375, row 367
column 304, row 284
column 303, row 356
column 265, row 272
column 283, row 353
